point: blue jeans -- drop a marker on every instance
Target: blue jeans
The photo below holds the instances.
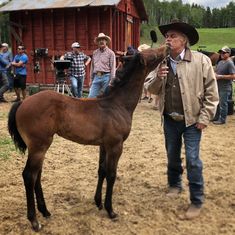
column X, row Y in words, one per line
column 222, row 108
column 99, row 84
column 174, row 131
column 3, row 84
column 77, row 85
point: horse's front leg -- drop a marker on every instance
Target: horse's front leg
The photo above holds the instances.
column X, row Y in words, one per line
column 101, row 176
column 112, row 157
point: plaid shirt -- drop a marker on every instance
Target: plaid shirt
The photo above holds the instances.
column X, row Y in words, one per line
column 77, row 67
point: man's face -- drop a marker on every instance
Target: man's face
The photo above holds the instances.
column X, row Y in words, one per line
column 76, row 50
column 4, row 49
column 20, row 50
column 175, row 40
column 224, row 55
column 102, row 43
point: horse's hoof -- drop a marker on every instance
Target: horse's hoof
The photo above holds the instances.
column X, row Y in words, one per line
column 99, row 204
column 113, row 215
column 36, row 226
column 47, row 214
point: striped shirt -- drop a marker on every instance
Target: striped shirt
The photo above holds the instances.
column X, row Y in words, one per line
column 77, row 67
column 103, row 61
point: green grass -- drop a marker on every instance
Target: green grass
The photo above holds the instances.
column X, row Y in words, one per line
column 212, row 39
column 6, row 147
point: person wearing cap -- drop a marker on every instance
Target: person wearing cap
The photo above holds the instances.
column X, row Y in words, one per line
column 7, row 55
column 103, row 66
column 77, row 69
column 19, row 63
column 225, row 74
column 3, row 74
column 188, row 96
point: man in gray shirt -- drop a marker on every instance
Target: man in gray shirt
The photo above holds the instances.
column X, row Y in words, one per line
column 103, row 66
column 225, row 73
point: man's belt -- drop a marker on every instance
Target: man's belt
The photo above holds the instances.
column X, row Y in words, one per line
column 100, row 73
column 176, row 116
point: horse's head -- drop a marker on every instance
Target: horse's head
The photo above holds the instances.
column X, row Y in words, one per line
column 153, row 56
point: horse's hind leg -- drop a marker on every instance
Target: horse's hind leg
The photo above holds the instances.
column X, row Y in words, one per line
column 30, row 175
column 39, row 196
column 101, row 176
column 32, row 181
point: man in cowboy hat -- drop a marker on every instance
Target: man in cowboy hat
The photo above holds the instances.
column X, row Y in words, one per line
column 103, row 66
column 187, row 88
column 225, row 74
column 77, row 69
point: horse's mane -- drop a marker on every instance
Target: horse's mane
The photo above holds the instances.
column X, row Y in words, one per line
column 123, row 75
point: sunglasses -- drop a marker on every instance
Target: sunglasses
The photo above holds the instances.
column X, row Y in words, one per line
column 19, row 48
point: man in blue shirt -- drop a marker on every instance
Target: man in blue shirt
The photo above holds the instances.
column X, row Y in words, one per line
column 19, row 63
column 7, row 55
column 225, row 74
column 3, row 75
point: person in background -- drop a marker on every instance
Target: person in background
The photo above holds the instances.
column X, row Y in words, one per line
column 103, row 66
column 188, row 97
column 129, row 52
column 225, row 74
column 147, row 95
column 77, row 72
column 7, row 55
column 19, row 63
column 3, row 75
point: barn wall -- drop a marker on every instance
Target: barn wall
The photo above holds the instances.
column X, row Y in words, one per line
column 57, row 29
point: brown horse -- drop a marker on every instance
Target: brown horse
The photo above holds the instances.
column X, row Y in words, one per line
column 104, row 121
column 214, row 56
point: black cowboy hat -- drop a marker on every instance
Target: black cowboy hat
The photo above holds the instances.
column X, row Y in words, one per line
column 182, row 27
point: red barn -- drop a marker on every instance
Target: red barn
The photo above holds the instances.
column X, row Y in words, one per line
column 57, row 24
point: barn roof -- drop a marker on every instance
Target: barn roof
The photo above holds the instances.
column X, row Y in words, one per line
column 16, row 5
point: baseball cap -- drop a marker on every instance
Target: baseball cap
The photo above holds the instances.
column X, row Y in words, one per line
column 5, row 45
column 75, row 44
column 225, row 49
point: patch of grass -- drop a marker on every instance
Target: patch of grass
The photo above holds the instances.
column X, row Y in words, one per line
column 3, row 115
column 6, row 147
column 215, row 39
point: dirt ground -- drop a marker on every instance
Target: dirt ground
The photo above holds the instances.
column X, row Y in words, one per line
column 70, row 176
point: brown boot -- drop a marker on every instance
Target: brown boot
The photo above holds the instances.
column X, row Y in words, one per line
column 193, row 211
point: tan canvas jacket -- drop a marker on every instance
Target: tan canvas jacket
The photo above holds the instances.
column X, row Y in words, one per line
column 198, row 88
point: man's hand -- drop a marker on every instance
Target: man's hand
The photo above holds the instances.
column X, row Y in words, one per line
column 90, row 83
column 200, row 126
column 218, row 76
column 163, row 71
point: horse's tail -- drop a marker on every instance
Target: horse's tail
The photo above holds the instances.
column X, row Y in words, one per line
column 12, row 128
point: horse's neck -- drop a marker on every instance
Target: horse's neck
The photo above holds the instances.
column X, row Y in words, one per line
column 128, row 95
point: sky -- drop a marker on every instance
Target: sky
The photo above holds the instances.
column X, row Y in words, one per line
column 210, row 3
